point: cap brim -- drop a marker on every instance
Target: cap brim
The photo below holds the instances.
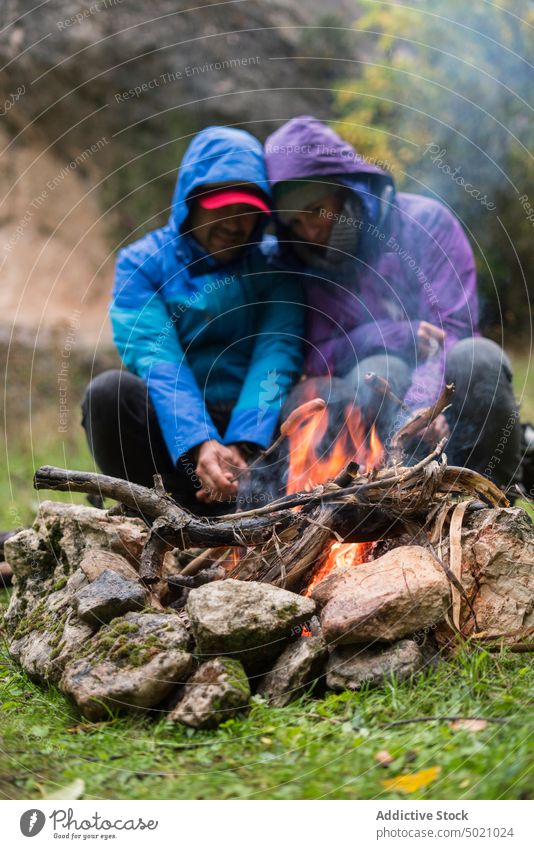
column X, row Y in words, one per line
column 216, row 200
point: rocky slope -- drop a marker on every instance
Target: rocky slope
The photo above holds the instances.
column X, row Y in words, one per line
column 98, row 101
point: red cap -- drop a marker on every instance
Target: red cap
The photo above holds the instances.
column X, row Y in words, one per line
column 226, row 197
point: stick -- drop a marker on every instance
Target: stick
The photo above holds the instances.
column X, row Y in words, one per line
column 147, row 501
column 392, row 498
column 382, row 387
column 202, row 561
column 445, row 719
column 287, row 429
column 423, row 418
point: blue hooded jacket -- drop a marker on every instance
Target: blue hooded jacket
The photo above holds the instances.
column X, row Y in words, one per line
column 200, row 333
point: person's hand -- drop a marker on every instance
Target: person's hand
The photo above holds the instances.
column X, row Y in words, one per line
column 435, row 431
column 429, row 339
column 217, row 466
column 239, row 463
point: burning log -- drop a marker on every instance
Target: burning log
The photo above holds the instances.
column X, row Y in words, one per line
column 287, row 429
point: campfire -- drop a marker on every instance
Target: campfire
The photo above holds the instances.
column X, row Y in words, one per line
column 308, row 468
column 343, row 495
column 375, row 562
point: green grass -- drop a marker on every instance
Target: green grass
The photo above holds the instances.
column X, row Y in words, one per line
column 314, row 749
column 320, row 748
column 523, row 366
column 22, row 453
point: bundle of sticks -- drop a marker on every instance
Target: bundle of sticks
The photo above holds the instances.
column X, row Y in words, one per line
column 285, row 541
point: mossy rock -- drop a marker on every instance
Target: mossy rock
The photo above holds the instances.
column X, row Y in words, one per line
column 246, row 619
column 218, row 690
column 130, row 664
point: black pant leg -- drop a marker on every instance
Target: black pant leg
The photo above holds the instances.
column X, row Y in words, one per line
column 125, row 438
column 484, row 417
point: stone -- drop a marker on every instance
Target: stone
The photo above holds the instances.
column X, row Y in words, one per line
column 351, row 667
column 218, row 690
column 73, row 529
column 174, row 71
column 49, row 633
column 95, row 561
column 404, row 591
column 130, row 664
column 247, row 619
column 497, row 571
column 107, row 597
column 44, row 556
column 296, row 670
column 42, row 628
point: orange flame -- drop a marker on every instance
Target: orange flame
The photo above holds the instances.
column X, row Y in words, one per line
column 308, row 467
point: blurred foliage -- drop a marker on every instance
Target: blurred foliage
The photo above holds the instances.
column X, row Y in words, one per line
column 328, row 38
column 457, row 76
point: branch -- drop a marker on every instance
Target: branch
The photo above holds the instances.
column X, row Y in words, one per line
column 423, row 418
column 150, row 502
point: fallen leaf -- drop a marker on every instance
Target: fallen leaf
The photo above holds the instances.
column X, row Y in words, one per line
column 468, row 724
column 85, row 726
column 384, row 757
column 413, row 781
column 74, row 790
column 77, row 729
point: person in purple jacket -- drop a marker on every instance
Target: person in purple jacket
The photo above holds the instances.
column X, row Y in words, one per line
column 390, row 287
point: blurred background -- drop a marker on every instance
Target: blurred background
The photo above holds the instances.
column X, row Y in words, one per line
column 98, row 101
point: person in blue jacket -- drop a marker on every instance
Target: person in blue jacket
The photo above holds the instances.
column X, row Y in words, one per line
column 209, row 334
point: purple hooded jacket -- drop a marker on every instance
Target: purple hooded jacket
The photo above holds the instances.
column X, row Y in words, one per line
column 413, row 263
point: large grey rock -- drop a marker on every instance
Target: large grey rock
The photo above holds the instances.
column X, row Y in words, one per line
column 404, row 591
column 44, row 556
column 497, row 571
column 246, row 619
column 109, row 596
column 218, row 690
column 350, row 667
column 210, row 62
column 49, row 633
column 130, row 664
column 296, row 670
column 68, row 531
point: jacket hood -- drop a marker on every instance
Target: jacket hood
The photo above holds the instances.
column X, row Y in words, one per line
column 217, row 155
column 305, row 148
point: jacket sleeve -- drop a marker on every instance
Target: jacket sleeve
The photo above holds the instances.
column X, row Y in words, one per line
column 147, row 341
column 275, row 364
column 448, row 298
